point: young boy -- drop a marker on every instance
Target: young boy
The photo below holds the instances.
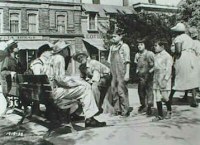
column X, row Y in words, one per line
column 162, row 79
column 145, row 62
column 119, row 59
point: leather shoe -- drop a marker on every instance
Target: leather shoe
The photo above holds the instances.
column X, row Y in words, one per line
column 91, row 122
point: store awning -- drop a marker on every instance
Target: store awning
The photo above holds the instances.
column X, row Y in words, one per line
column 110, row 10
column 98, row 43
column 32, row 44
column 90, row 8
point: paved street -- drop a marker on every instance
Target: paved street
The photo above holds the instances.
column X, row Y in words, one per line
column 182, row 129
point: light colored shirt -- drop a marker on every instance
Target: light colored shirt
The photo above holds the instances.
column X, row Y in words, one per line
column 124, row 52
column 57, row 66
column 163, row 64
column 186, row 41
column 96, row 69
column 40, row 65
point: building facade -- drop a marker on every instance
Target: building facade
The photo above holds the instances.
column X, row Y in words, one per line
column 95, row 21
column 33, row 23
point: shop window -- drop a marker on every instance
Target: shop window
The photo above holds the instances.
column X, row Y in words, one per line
column 92, row 21
column 61, row 22
column 14, row 22
column 32, row 23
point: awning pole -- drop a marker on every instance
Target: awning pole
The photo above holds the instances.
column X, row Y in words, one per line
column 27, row 60
column 99, row 56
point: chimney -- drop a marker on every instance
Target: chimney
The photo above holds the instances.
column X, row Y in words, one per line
column 96, row 1
column 152, row 1
column 125, row 2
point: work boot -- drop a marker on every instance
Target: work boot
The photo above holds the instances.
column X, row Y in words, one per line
column 194, row 105
column 169, row 115
column 91, row 122
column 149, row 110
column 184, row 99
column 141, row 108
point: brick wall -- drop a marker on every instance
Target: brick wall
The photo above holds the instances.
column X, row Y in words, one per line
column 44, row 20
column 6, row 28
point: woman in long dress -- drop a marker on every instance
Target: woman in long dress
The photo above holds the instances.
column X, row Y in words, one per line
column 186, row 68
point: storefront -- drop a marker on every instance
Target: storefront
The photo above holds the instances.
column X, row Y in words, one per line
column 34, row 23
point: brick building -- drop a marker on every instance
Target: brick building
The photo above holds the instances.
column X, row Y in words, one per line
column 95, row 21
column 33, row 23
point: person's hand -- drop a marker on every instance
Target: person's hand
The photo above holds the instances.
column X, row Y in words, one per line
column 13, row 75
column 163, row 84
column 126, row 77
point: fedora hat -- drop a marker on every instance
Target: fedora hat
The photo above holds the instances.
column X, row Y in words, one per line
column 42, row 49
column 180, row 27
column 77, row 54
column 59, row 46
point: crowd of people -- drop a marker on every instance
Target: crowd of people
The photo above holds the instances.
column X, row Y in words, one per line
column 102, row 86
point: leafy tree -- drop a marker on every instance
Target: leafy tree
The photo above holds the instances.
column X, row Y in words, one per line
column 189, row 12
column 142, row 25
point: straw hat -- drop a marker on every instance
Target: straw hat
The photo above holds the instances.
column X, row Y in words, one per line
column 180, row 27
column 77, row 54
column 59, row 46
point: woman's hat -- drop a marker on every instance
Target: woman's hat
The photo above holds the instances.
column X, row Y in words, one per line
column 193, row 32
column 42, row 49
column 10, row 43
column 77, row 54
column 180, row 27
column 59, row 46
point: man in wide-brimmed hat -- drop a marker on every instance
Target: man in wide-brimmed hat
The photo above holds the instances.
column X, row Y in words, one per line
column 66, row 88
column 96, row 73
column 145, row 62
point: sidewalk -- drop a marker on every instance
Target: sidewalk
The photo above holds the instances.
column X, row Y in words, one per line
column 137, row 129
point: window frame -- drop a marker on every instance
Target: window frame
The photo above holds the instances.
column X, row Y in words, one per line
column 95, row 21
column 65, row 22
column 37, row 20
column 19, row 20
column 1, row 20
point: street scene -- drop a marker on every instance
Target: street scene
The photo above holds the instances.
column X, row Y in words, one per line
column 182, row 129
column 87, row 72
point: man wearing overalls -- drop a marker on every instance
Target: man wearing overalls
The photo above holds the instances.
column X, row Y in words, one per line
column 119, row 58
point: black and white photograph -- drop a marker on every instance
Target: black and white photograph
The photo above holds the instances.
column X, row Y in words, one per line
column 99, row 72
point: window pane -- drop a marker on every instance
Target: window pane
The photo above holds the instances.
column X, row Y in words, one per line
column 92, row 21
column 32, row 21
column 61, row 23
column 14, row 23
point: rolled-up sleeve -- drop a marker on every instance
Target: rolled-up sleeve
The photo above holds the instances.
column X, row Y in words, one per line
column 126, row 51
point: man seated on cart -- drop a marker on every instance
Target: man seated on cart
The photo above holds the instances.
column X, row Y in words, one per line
column 66, row 88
